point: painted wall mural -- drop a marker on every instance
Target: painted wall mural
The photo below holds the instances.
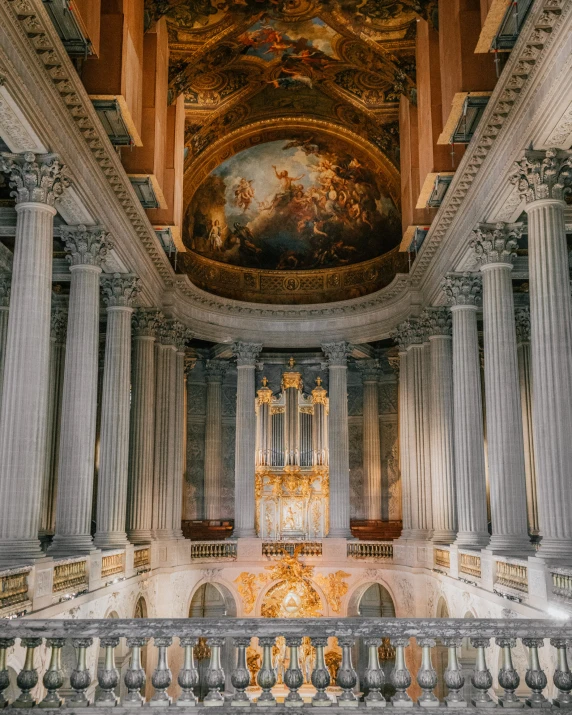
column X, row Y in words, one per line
column 299, row 203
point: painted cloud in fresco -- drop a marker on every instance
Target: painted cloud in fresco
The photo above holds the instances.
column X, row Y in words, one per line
column 303, row 203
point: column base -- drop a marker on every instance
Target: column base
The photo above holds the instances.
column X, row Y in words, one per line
column 19, row 552
column 445, row 536
column 140, row 536
column 510, row 545
column 163, row 535
column 110, row 540
column 476, row 540
column 71, row 545
column 244, row 534
column 556, row 550
column 340, row 534
column 420, row 534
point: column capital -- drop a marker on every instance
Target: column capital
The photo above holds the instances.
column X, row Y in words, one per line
column 145, row 322
column 438, row 321
column 463, row 289
column 543, row 174
column 370, row 369
column 86, row 245
column 190, row 364
column 215, row 370
column 172, row 332
column 5, row 283
column 120, row 290
column 409, row 332
column 37, row 178
column 522, row 321
column 496, row 243
column 337, row 353
column 182, row 336
column 246, row 353
column 59, row 324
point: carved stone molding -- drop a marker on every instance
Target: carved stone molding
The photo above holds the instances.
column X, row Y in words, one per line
column 496, row 243
column 543, row 174
column 337, row 353
column 463, row 288
column 86, row 245
column 246, row 353
column 37, row 178
column 438, row 321
column 145, row 322
column 120, row 290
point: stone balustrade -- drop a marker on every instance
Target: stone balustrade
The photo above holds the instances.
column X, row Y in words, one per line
column 277, row 548
column 40, row 638
column 442, row 558
column 209, row 550
column 382, row 550
column 513, row 576
column 470, row 565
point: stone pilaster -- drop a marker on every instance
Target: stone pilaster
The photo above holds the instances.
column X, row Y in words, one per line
column 541, row 179
column 464, row 293
column 244, row 501
column 371, row 439
column 439, row 330
column 86, row 248
column 5, row 280
column 215, row 372
column 182, row 336
column 119, row 293
column 522, row 317
column 338, row 439
column 37, row 181
column 495, row 247
column 142, row 426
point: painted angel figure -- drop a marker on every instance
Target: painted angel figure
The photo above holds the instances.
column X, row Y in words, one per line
column 244, row 194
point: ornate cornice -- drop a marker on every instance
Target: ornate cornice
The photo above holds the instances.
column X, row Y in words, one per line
column 438, row 321
column 38, row 178
column 5, row 283
column 246, row 353
column 59, row 324
column 120, row 290
column 337, row 353
column 496, row 243
column 86, row 245
column 522, row 323
column 543, row 175
column 145, row 322
column 463, row 288
column 215, row 370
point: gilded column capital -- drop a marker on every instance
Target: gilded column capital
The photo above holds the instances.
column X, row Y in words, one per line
column 86, row 245
column 463, row 289
column 496, row 243
column 438, row 321
column 36, row 178
column 246, row 353
column 265, row 393
column 59, row 324
column 522, row 322
column 337, row 353
column 215, row 370
column 319, row 394
column 5, row 283
column 145, row 322
column 409, row 332
column 120, row 290
column 543, row 174
column 369, row 369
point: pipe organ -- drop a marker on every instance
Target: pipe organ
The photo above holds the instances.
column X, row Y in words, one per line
column 291, row 459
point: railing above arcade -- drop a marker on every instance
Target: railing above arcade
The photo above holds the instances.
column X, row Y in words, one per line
column 377, row 686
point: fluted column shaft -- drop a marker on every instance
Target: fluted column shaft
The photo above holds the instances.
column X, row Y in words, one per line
column 213, row 439
column 403, row 427
column 180, row 441
column 338, row 439
column 244, row 500
column 142, row 428
column 86, row 250
column 4, row 312
column 371, row 442
column 320, row 424
column 119, row 292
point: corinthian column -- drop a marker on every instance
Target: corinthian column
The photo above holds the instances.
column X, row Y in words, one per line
column 244, row 502
column 403, row 430
column 142, row 427
column 439, row 329
column 215, row 372
column 182, row 336
column 86, row 249
column 4, row 311
column 371, row 442
column 337, row 355
column 541, row 179
column 464, row 293
column 522, row 316
column 119, row 292
column 495, row 249
column 36, row 181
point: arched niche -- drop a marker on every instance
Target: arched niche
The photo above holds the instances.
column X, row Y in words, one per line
column 442, row 609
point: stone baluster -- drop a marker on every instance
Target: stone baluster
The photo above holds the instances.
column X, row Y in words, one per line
column 215, row 678
column 441, row 425
column 453, row 675
column 80, row 677
column 54, row 675
column 162, row 676
column 245, row 444
column 5, row 643
column 293, row 677
column 182, row 336
column 27, row 678
column 522, row 318
column 320, row 674
column 86, row 249
column 240, row 677
column 134, row 678
column 37, row 181
column 346, row 676
column 266, row 677
column 371, row 439
column 463, row 292
column 264, row 425
column 562, row 675
column 5, row 280
column 427, row 675
column 188, row 677
column 508, row 677
column 535, row 677
column 374, row 677
column 494, row 247
column 119, row 293
column 482, row 679
column 338, row 439
column 400, row 676
column 215, row 372
column 542, row 177
column 108, row 675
